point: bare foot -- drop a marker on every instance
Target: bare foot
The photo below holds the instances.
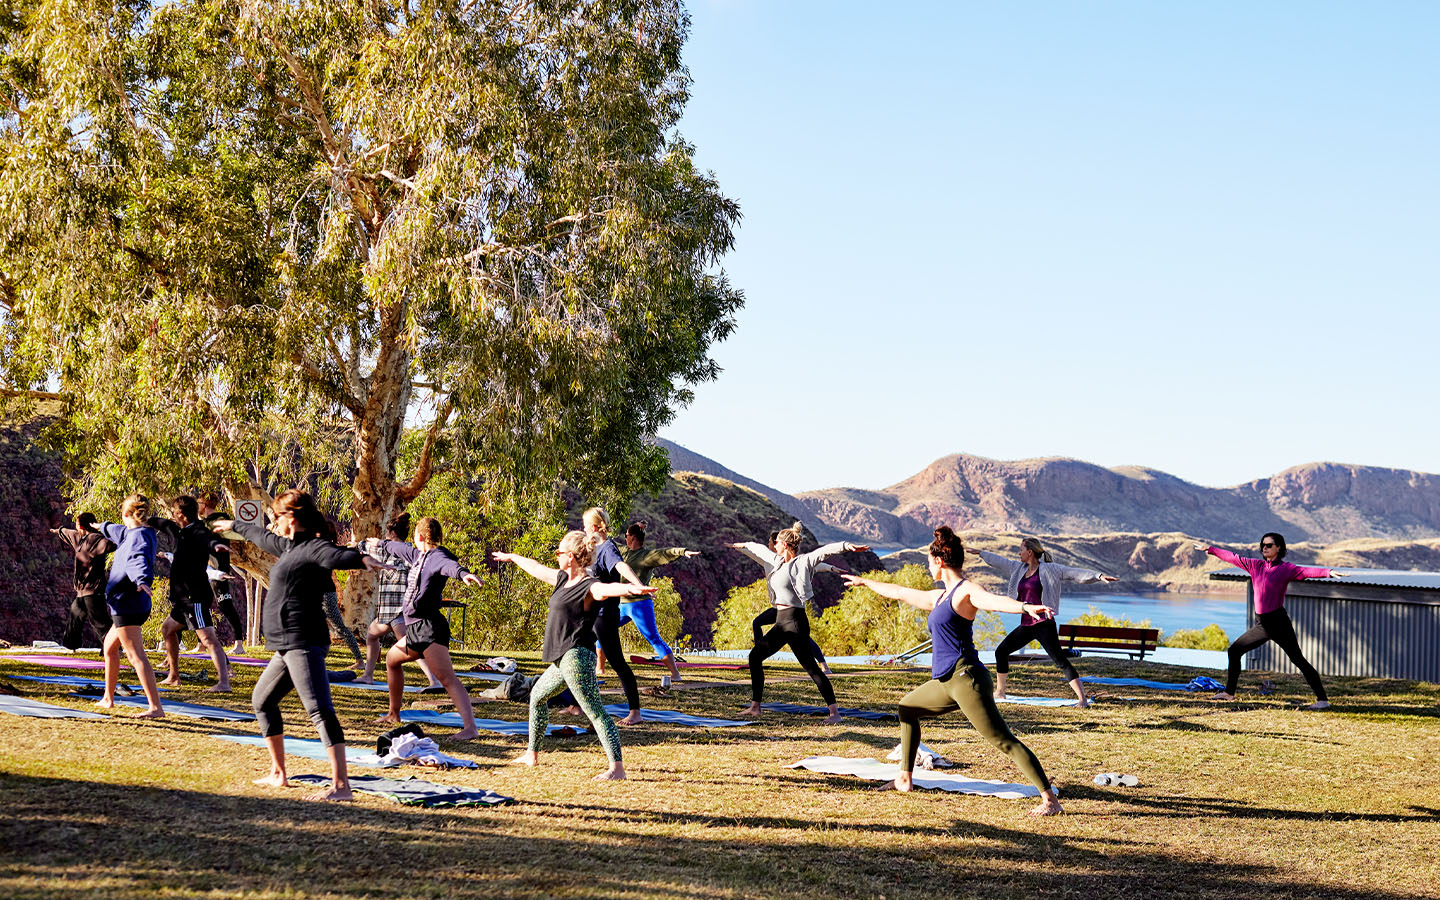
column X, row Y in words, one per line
column 339, row 794
column 388, row 719
column 1317, row 705
column 902, row 783
column 1223, row 695
column 573, row 711
column 528, row 758
column 465, row 734
column 999, row 695
column 1081, row 704
column 599, row 672
column 153, row 713
column 832, row 719
column 364, row 680
column 752, row 711
column 616, row 772
column 632, row 719
column 238, row 648
column 274, row 779
column 218, row 689
column 106, row 703
column 169, row 680
column 1049, row 806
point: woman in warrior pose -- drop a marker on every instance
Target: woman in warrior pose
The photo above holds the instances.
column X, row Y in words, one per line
column 127, row 598
column 296, row 630
column 791, row 587
column 1036, row 580
column 569, row 644
column 609, row 567
column 1270, row 576
column 427, row 633
column 641, row 610
column 768, row 559
column 190, row 591
column 958, row 679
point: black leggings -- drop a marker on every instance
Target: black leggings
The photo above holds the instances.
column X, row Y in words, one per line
column 91, row 606
column 1048, row 634
column 768, row 618
column 226, row 601
column 1273, row 626
column 792, row 629
column 607, row 635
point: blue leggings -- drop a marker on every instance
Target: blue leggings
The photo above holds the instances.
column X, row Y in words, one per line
column 642, row 613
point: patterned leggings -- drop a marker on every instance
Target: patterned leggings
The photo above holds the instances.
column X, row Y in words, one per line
column 337, row 621
column 576, row 669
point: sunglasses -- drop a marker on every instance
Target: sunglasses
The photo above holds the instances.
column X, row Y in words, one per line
column 1268, row 545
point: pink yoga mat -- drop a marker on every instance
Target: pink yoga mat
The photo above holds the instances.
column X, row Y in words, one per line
column 59, row 662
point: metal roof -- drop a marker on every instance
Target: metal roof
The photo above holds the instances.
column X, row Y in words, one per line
column 1388, row 578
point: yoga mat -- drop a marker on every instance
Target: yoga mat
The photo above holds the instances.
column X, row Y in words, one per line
column 1140, row 682
column 310, row 749
column 484, row 676
column 675, row 718
column 452, row 720
column 824, row 711
column 874, row 770
column 1037, row 701
column 59, row 662
column 234, row 660
column 189, row 710
column 647, row 661
column 70, row 681
column 24, row 706
column 377, row 686
column 414, row 792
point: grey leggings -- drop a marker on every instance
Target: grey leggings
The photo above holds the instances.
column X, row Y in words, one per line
column 970, row 690
column 304, row 671
column 576, row 669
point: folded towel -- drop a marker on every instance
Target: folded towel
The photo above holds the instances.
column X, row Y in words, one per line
column 925, row 758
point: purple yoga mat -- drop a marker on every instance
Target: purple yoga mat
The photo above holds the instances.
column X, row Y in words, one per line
column 59, row 662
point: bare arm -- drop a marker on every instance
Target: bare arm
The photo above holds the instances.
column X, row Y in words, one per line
column 919, row 599
column 532, row 568
column 601, row 591
column 628, row 574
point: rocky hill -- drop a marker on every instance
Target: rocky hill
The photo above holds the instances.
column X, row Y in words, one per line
column 1320, row 502
column 35, row 567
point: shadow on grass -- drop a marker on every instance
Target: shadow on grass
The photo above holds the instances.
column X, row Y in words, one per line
column 80, row 840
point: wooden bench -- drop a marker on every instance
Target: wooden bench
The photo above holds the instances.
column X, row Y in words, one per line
column 1133, row 642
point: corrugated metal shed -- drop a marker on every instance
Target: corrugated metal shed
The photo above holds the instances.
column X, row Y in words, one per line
column 1375, row 623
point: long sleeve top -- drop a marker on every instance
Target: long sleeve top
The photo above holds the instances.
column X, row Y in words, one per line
column 429, row 571
column 770, row 561
column 90, row 549
column 1269, row 579
column 1051, row 575
column 294, row 613
column 134, row 563
column 194, row 544
column 791, row 583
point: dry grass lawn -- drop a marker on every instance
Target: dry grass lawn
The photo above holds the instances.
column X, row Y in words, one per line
column 1252, row 799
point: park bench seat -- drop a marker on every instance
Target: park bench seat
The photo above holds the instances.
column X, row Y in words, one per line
column 1133, row 642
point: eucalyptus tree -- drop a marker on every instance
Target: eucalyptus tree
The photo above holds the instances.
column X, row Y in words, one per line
column 254, row 240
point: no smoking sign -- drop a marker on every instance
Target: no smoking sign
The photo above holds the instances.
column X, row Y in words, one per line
column 249, row 511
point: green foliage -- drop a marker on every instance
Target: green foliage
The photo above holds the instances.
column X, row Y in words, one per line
column 731, row 630
column 865, row 622
column 668, row 619
column 1211, row 637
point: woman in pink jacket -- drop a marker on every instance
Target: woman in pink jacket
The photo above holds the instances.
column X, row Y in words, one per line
column 1269, row 577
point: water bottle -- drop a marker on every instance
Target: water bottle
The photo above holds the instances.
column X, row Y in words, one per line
column 665, row 681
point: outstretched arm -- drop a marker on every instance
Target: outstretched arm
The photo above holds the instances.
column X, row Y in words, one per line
column 602, row 591
column 757, row 552
column 917, row 598
column 814, row 556
column 1001, row 564
column 529, row 566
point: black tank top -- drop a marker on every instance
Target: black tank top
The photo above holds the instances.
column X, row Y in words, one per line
column 569, row 624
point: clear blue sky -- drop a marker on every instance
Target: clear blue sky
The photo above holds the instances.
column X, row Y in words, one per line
column 1200, row 237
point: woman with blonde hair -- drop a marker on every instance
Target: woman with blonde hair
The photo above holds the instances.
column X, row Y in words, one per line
column 958, row 679
column 569, row 644
column 1036, row 580
column 127, row 597
column 608, row 566
column 791, row 585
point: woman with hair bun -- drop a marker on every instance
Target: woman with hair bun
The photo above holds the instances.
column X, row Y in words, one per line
column 1270, row 576
column 570, row 642
column 641, row 609
column 1036, row 580
column 959, row 680
column 791, row 585
column 609, row 567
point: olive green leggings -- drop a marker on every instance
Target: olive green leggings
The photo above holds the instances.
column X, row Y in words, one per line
column 969, row 690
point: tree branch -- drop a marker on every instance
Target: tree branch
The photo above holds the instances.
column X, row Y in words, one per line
column 412, row 488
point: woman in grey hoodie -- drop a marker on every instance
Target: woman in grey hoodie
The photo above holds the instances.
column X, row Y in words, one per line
column 1035, row 579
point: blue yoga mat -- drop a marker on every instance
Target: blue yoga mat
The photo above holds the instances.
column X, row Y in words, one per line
column 672, row 717
column 452, row 720
column 1157, row 685
column 414, row 792
column 190, row 710
column 70, row 681
column 824, row 711
column 484, row 676
column 1037, row 701
column 24, row 706
column 309, row 749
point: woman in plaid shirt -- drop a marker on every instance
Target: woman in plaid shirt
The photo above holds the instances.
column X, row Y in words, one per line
column 390, row 595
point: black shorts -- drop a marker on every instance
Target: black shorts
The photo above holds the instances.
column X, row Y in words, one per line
column 192, row 616
column 126, row 620
column 421, row 633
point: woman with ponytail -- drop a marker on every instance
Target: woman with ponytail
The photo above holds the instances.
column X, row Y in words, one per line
column 791, row 586
column 609, row 567
column 959, row 680
column 1036, row 580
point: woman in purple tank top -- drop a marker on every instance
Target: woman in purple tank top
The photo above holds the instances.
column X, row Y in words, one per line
column 959, row 680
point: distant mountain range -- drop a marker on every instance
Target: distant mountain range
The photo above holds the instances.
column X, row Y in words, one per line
column 1316, row 502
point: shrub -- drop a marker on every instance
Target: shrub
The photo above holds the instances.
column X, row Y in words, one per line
column 1096, row 617
column 1211, row 637
column 732, row 620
